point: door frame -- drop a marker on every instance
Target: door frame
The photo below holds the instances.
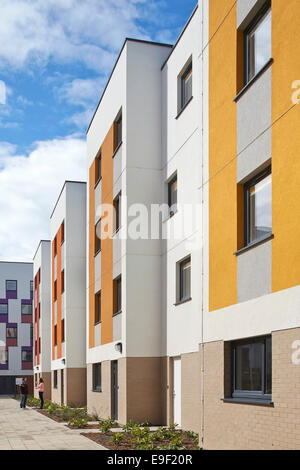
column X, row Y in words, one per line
column 115, row 390
column 175, row 358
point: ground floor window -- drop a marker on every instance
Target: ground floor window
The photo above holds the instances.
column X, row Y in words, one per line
column 97, row 377
column 55, row 379
column 252, row 368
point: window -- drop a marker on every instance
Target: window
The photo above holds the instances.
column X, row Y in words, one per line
column 62, row 232
column 26, row 309
column 186, row 82
column 117, row 295
column 27, row 356
column 98, row 237
column 39, row 310
column 258, row 207
column 11, row 286
column 98, row 307
column 31, row 286
column 63, row 281
column 55, row 246
column 3, row 356
column 55, row 379
column 40, row 277
column 40, row 346
column 118, row 131
column 172, row 195
column 185, row 279
column 3, row 309
column 252, row 368
column 63, row 330
column 11, row 332
column 97, row 377
column 258, row 43
column 98, row 168
column 117, row 209
column 55, row 335
column 55, row 290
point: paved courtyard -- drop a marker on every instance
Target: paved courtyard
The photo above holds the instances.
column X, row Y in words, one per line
column 29, row 430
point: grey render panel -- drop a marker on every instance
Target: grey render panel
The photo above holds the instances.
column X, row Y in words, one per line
column 117, row 245
column 254, row 272
column 117, row 327
column 98, row 190
column 117, row 172
column 98, row 272
column 98, row 334
column 246, row 11
column 253, row 118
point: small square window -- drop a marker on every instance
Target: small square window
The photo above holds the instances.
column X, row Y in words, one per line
column 11, row 286
column 172, row 195
column 252, row 368
column 258, row 43
column 97, row 377
column 11, row 332
column 98, row 307
column 26, row 309
column 258, row 207
column 27, row 356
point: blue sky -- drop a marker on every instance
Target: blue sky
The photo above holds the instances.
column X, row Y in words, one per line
column 55, row 58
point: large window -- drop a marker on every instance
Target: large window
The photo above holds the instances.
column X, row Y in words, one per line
column 258, row 43
column 97, row 377
column 98, row 307
column 185, row 280
column 258, row 207
column 186, row 85
column 172, row 195
column 252, row 368
column 117, row 295
column 27, row 356
column 11, row 286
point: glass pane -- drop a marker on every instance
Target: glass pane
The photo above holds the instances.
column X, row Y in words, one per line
column 268, row 387
column 248, row 367
column 3, row 356
column 259, row 43
column 11, row 332
column 186, row 280
column 173, row 194
column 3, row 309
column 11, row 285
column 26, row 309
column 260, row 207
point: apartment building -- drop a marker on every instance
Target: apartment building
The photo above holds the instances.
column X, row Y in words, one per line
column 252, row 327
column 16, row 335
column 42, row 316
column 68, row 295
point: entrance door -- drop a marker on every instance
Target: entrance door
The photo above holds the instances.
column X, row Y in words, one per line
column 115, row 388
column 7, row 385
column 177, row 391
column 62, row 385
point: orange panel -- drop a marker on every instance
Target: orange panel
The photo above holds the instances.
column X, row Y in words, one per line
column 223, row 192
column 91, row 254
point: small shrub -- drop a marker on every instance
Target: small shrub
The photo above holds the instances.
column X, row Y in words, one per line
column 78, row 422
column 117, row 438
column 192, row 435
column 145, row 424
column 130, row 425
column 106, row 424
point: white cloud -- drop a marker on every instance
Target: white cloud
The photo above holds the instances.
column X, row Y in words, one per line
column 30, row 185
column 89, row 31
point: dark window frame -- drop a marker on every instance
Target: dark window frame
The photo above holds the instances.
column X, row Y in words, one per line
column 117, row 212
column 117, row 295
column 55, row 246
column 62, row 231
column 97, row 318
column 264, row 9
column 97, row 377
column 12, row 328
column 55, row 335
column 55, row 379
column 119, row 131
column 98, row 172
column 6, row 312
column 26, row 305
column 184, row 100
column 26, row 360
column 170, row 204
column 31, row 286
column 257, row 395
column 256, row 179
column 181, row 297
column 11, row 290
column 97, row 239
column 63, row 330
column 62, row 281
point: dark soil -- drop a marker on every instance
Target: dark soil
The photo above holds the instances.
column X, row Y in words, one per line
column 56, row 418
column 128, row 442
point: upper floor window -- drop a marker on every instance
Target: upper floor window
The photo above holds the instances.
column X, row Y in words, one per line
column 55, row 290
column 31, row 286
column 98, row 237
column 26, row 309
column 11, row 332
column 252, row 368
column 118, row 295
column 98, row 308
column 3, row 356
column 63, row 281
column 55, row 335
column 117, row 207
column 27, row 356
column 62, row 228
column 55, row 246
column 3, row 309
column 11, row 286
column 258, row 207
column 258, row 42
column 185, row 85
column 118, row 131
column 185, row 279
column 172, row 195
column 63, row 330
column 98, row 168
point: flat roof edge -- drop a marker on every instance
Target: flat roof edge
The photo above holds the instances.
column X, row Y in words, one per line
column 65, row 183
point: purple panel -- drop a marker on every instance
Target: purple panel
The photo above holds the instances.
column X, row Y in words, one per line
column 3, row 318
column 4, row 366
column 3, row 301
column 26, row 348
column 26, row 302
column 11, row 294
column 12, row 325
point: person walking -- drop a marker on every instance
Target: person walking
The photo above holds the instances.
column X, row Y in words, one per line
column 24, row 393
column 41, row 388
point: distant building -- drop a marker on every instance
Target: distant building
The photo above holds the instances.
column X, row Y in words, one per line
column 16, row 332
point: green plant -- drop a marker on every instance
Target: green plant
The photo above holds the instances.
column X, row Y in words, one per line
column 130, row 425
column 192, row 435
column 106, row 424
column 78, row 422
column 145, row 424
column 117, row 438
